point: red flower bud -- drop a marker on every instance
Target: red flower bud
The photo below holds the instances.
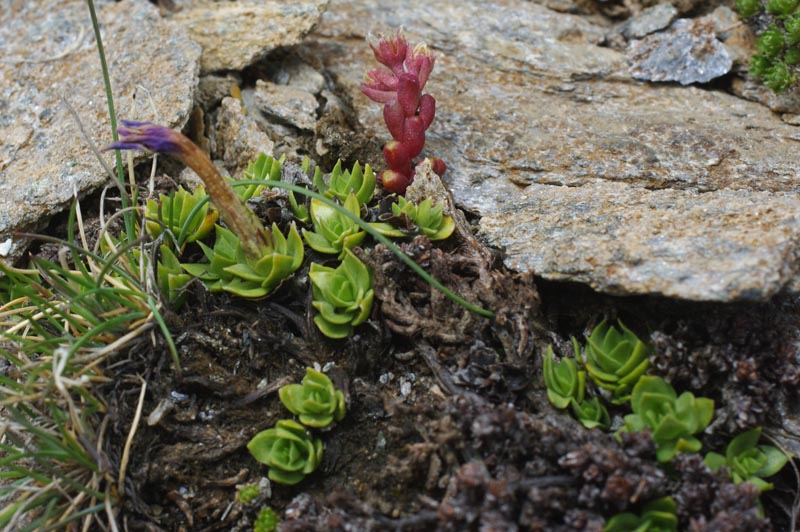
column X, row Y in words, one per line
column 390, row 51
column 419, row 61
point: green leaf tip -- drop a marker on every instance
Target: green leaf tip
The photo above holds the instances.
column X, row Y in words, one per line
column 267, row 521
column 342, row 183
column 427, row 219
column 316, row 402
column 564, row 381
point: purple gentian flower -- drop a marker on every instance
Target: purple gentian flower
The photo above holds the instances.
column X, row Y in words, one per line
column 148, row 136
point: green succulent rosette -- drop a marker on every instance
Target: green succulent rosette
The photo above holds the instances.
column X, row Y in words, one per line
column 171, row 277
column 428, row 219
column 179, row 213
column 230, row 270
column 746, row 461
column 615, row 359
column 656, row 516
column 342, row 296
column 288, row 451
column 591, row 413
column 673, row 420
column 334, row 232
column 564, row 381
column 316, row 401
column 342, row 183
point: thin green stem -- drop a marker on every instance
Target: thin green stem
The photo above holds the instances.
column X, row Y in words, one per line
column 112, row 114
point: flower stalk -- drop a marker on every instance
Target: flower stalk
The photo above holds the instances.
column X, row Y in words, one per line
column 408, row 112
column 253, row 237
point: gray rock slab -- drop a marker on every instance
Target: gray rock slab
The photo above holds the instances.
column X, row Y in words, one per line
column 624, row 239
column 688, row 52
column 648, row 21
column 529, row 107
column 49, row 53
column 234, row 35
column 287, row 104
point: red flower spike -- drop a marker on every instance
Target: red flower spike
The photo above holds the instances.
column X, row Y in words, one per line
column 407, row 112
column 394, row 181
column 408, row 94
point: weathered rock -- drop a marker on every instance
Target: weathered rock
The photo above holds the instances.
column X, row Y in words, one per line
column 49, row 53
column 648, row 21
column 287, row 104
column 213, row 88
column 235, row 35
column 625, row 239
column 689, row 52
column 300, row 75
column 548, row 138
column 238, row 139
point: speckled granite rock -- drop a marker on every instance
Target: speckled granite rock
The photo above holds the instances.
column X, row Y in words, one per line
column 581, row 173
column 237, row 34
column 49, row 52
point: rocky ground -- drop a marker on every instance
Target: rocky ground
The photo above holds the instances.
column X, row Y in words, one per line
column 601, row 180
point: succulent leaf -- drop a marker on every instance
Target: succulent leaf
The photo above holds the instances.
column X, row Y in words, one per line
column 316, row 402
column 342, row 296
column 564, row 381
column 171, row 277
column 267, row 521
column 673, row 420
column 746, row 461
column 288, row 451
column 231, row 270
column 615, row 360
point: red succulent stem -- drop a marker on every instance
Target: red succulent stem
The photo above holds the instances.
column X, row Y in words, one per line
column 408, row 112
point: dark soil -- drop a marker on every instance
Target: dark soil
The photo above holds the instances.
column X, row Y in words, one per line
column 448, row 426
